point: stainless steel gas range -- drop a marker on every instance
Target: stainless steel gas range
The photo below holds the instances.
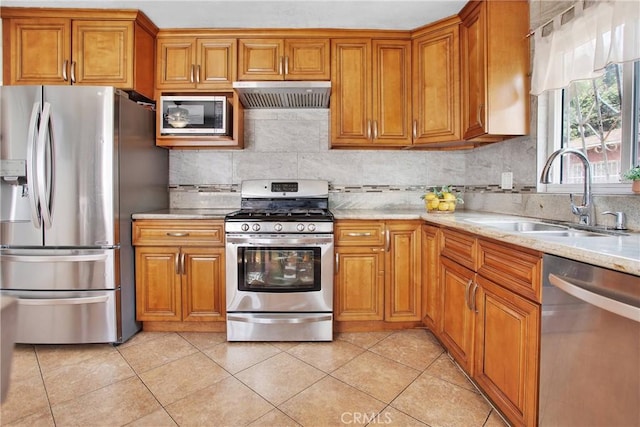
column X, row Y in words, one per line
column 280, row 262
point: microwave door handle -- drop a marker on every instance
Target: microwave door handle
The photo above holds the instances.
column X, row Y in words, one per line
column 32, row 188
column 45, row 180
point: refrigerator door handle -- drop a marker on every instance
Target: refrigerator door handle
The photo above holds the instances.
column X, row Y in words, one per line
column 34, row 199
column 45, row 180
column 63, row 301
column 55, row 258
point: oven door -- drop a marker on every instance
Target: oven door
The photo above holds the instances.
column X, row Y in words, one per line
column 279, row 273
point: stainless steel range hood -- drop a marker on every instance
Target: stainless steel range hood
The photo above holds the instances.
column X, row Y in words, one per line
column 284, row 94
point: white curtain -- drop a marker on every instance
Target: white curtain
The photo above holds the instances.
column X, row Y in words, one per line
column 603, row 33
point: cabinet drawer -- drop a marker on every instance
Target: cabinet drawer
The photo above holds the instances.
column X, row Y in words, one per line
column 359, row 233
column 460, row 247
column 184, row 233
column 512, row 267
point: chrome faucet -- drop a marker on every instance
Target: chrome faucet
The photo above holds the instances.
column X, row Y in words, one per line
column 585, row 210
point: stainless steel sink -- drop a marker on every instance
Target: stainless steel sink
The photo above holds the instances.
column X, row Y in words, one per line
column 539, row 228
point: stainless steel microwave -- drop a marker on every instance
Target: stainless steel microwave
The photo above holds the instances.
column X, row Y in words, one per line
column 194, row 115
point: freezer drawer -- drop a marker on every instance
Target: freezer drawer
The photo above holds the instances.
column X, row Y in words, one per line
column 66, row 317
column 59, row 269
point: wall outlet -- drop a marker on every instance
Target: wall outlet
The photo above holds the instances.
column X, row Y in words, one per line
column 507, row 181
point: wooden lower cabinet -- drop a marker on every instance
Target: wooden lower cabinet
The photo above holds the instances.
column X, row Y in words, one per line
column 180, row 271
column 506, row 351
column 431, row 295
column 458, row 320
column 359, row 284
column 377, row 272
column 491, row 318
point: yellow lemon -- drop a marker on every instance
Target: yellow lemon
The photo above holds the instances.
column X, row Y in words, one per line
column 443, row 206
column 452, row 206
column 433, row 204
column 448, row 196
column 430, row 196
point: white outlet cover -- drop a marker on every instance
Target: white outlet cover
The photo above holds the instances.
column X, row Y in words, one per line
column 507, row 181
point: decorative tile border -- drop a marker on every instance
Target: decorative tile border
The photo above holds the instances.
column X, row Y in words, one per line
column 235, row 188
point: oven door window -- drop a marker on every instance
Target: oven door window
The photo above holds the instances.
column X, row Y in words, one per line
column 278, row 269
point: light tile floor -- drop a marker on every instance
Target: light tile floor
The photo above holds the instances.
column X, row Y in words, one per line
column 401, row 378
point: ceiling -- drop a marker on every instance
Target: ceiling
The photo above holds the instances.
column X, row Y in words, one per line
column 353, row 14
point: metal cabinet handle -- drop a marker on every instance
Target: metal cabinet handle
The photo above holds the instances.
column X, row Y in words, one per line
column 368, row 129
column 177, row 234
column 198, row 74
column 473, row 307
column 286, row 65
column 480, row 108
column 387, row 240
column 353, row 234
column 65, row 64
column 191, row 76
column 466, row 293
column 337, row 262
column 176, row 265
column 73, row 71
column 280, row 65
column 182, row 267
column 375, row 129
column 415, row 129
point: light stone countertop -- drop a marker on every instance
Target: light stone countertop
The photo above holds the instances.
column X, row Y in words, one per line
column 201, row 213
column 620, row 253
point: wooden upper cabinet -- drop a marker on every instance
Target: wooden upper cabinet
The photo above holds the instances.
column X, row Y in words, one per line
column 436, row 84
column 81, row 47
column 495, row 63
column 38, row 52
column 106, row 52
column 195, row 63
column 283, row 59
column 371, row 93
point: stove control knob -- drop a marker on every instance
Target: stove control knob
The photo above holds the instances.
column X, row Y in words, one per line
column 300, row 227
column 256, row 227
column 311, row 227
column 277, row 227
column 244, row 227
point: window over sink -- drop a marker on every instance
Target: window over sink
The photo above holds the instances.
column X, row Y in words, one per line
column 601, row 117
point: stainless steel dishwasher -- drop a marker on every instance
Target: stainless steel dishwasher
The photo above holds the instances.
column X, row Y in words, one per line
column 590, row 346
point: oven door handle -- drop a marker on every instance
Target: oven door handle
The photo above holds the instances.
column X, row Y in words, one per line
column 279, row 241
column 270, row 320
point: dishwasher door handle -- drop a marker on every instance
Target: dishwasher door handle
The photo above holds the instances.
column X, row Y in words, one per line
column 608, row 304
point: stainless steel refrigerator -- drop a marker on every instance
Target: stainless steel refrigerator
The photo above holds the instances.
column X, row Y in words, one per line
column 75, row 163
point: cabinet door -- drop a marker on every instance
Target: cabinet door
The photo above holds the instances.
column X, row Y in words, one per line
column 436, row 86
column 403, row 298
column 40, row 51
column 431, row 295
column 507, row 345
column 158, row 295
column 102, row 53
column 216, row 63
column 306, row 59
column 203, row 296
column 359, row 284
column 260, row 59
column 351, row 92
column 176, row 58
column 474, row 68
column 458, row 320
column 391, row 123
